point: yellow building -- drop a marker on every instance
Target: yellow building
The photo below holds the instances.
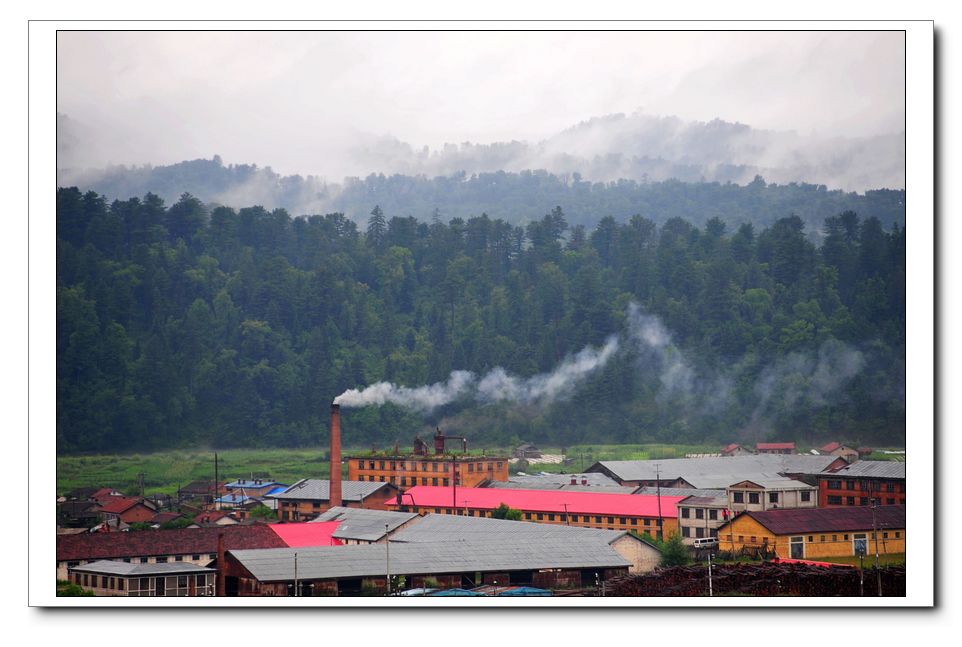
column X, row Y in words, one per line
column 817, row 533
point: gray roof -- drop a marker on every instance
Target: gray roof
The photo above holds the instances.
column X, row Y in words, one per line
column 554, row 481
column 680, row 491
column 716, row 472
column 705, row 501
column 320, row 490
column 362, row 524
column 453, row 528
column 329, row 562
column 111, row 567
column 779, row 483
column 876, row 469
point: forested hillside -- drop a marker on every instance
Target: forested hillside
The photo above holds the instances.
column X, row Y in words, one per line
column 184, row 326
column 516, row 197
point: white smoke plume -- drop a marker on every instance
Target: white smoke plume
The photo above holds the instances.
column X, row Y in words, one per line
column 495, row 386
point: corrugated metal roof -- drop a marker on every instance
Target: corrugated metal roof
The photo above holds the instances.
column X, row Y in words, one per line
column 320, row 490
column 362, row 524
column 563, row 501
column 775, row 445
column 778, row 483
column 705, row 501
column 679, row 491
column 365, row 560
column 111, row 567
column 716, row 472
column 447, row 527
column 849, row 518
column 874, row 469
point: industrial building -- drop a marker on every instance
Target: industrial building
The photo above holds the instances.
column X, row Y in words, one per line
column 858, row 484
column 114, row 579
column 654, row 515
column 818, row 532
column 365, row 569
column 309, row 497
column 362, row 526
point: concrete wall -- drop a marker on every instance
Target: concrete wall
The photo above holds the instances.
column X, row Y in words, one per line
column 643, row 558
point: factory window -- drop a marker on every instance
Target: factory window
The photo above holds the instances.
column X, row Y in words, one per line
column 685, row 531
column 437, row 511
column 380, row 464
column 863, row 500
column 179, row 558
column 890, row 501
column 446, row 482
column 806, row 496
column 424, row 480
column 540, row 517
column 647, row 522
column 434, row 481
column 424, row 466
column 597, row 519
column 821, row 537
column 446, row 467
column 699, row 532
column 738, row 497
column 885, row 535
column 360, row 477
column 849, row 485
column 161, row 560
column 684, row 513
column 773, row 497
column 196, row 558
column 403, row 481
column 713, row 515
column 393, row 465
column 834, row 500
column 754, row 539
column 393, row 479
column 527, row 515
column 699, row 513
column 898, row 535
column 611, row 519
column 360, row 465
column 381, row 479
column 811, row 538
column 471, row 467
column 849, row 500
column 103, row 581
column 741, row 539
column 622, row 520
column 845, row 537
column 500, row 465
column 480, row 466
column 753, row 497
column 634, row 521
column 126, row 559
column 890, row 487
column 490, row 467
column 434, row 467
column 834, row 485
column 550, row 517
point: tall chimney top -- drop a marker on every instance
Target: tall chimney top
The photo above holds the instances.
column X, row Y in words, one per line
column 335, row 408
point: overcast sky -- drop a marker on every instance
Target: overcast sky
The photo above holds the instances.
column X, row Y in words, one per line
column 293, row 100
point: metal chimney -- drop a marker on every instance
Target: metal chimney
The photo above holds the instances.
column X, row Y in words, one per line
column 335, row 488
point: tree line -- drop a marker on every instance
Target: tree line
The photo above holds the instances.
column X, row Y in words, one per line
column 188, row 325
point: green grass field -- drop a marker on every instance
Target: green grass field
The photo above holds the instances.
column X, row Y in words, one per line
column 165, row 472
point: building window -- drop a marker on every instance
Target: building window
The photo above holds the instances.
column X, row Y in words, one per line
column 434, row 467
column 381, row 465
column 862, row 500
column 597, row 519
column 622, row 520
column 611, row 519
column 500, row 465
column 360, row 465
column 445, row 482
column 161, row 560
column 684, row 513
column 890, row 487
column 527, row 515
column 739, row 497
column 821, row 538
column 381, row 479
column 773, row 497
column 179, row 558
column 685, row 531
column 471, row 467
column 898, row 535
column 811, row 538
column 849, row 485
column 753, row 497
column 550, row 517
column 885, row 535
column 699, row 532
column 634, row 521
column 424, row 480
column 699, row 513
column 540, row 517
column 713, row 514
column 834, row 485
column 437, row 511
column 890, row 501
column 490, row 467
column 834, row 499
column 434, row 481
column 446, row 467
column 196, row 558
column 834, row 538
column 647, row 521
column 849, row 500
column 754, row 540
column 806, row 496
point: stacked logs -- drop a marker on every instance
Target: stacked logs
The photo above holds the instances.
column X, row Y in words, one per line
column 763, row 579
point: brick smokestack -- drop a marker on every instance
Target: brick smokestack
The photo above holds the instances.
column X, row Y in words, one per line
column 335, row 496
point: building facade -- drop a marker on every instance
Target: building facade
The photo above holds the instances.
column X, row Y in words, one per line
column 432, row 470
column 116, row 579
column 858, row 484
column 756, row 495
column 310, row 497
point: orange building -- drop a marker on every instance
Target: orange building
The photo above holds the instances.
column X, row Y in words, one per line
column 309, row 497
column 422, row 468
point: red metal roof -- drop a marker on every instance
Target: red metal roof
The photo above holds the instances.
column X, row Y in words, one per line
column 780, row 560
column 775, row 445
column 120, row 504
column 831, row 447
column 788, row 521
column 183, row 541
column 634, row 505
column 318, row 533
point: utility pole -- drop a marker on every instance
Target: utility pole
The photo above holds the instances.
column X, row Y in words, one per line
column 567, row 523
column 296, row 593
column 140, row 477
column 709, row 574
column 387, row 547
column 216, row 482
column 878, row 572
column 661, row 534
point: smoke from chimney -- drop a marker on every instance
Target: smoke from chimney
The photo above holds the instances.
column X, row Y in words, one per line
column 335, row 489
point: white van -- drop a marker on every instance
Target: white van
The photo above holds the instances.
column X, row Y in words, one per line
column 706, row 542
